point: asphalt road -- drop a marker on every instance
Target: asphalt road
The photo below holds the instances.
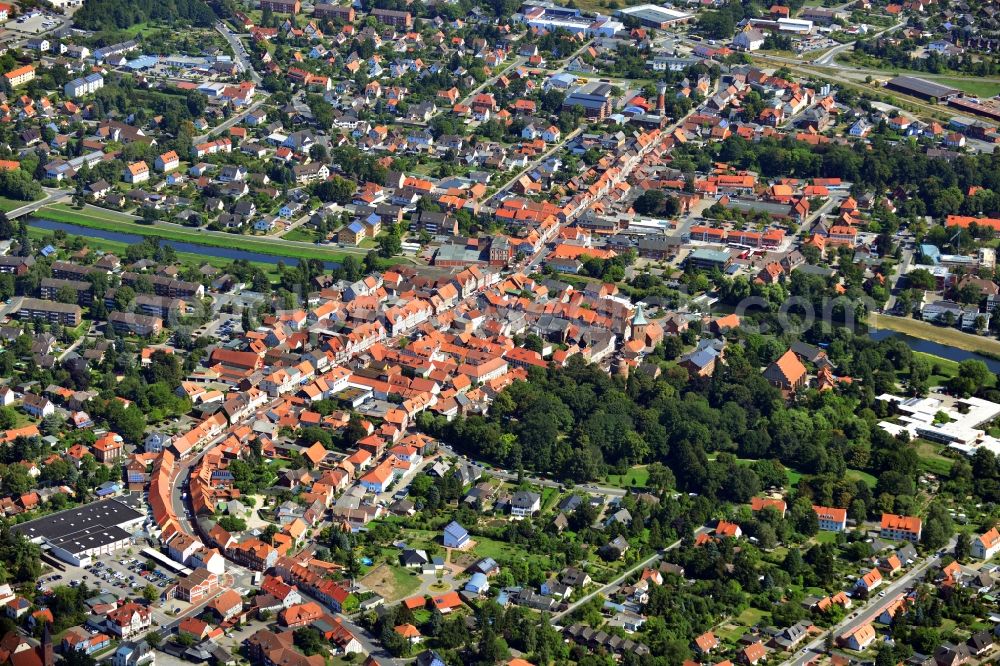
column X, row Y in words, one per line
column 232, row 120
column 898, row 271
column 239, row 51
column 54, row 196
column 533, row 164
column 613, row 585
column 866, row 613
column 545, row 483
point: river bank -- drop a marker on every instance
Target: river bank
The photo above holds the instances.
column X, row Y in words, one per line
column 941, row 335
column 119, row 247
column 266, row 249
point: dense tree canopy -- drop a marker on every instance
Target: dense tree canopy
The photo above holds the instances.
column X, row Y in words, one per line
column 109, row 14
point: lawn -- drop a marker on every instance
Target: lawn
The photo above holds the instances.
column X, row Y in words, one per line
column 300, row 234
column 729, row 633
column 931, row 459
column 7, row 205
column 970, row 85
column 858, row 475
column 505, row 552
column 549, row 497
column 794, row 476
column 392, row 582
column 945, row 336
column 943, row 369
column 826, row 537
column 637, row 476
column 113, row 221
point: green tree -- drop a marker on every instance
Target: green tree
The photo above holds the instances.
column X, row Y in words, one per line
column 390, row 244
column 963, row 547
column 309, row 640
column 921, row 278
column 150, row 593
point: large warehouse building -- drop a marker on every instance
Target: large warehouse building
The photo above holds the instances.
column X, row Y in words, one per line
column 911, row 85
column 80, row 534
column 654, row 16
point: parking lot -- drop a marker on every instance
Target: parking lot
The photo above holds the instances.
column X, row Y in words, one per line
column 222, row 326
column 125, row 575
column 32, row 25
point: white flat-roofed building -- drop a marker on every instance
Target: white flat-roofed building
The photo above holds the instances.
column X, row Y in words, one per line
column 963, row 429
column 655, row 16
column 797, row 26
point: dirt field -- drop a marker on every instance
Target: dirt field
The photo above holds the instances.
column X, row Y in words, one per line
column 391, row 583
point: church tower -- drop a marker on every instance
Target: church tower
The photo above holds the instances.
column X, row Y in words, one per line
column 48, row 654
column 639, row 324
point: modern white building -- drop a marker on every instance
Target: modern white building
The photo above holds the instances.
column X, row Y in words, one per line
column 797, row 26
column 655, row 16
column 963, row 431
column 85, row 85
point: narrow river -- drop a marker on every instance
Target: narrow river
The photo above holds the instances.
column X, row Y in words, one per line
column 180, row 246
column 936, row 348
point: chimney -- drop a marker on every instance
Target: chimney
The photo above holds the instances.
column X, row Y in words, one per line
column 661, row 100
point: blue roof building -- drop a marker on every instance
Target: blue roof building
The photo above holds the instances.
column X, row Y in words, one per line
column 478, row 584
column 142, row 62
column 108, row 488
column 455, row 536
column 930, row 253
column 430, row 658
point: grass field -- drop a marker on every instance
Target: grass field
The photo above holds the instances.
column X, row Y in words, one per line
column 878, row 68
column 970, row 85
column 858, row 475
column 945, row 336
column 751, row 617
column 391, row 582
column 300, row 234
column 113, row 221
column 505, row 552
column 421, row 538
column 635, row 477
column 931, row 459
column 7, row 205
column 825, row 537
